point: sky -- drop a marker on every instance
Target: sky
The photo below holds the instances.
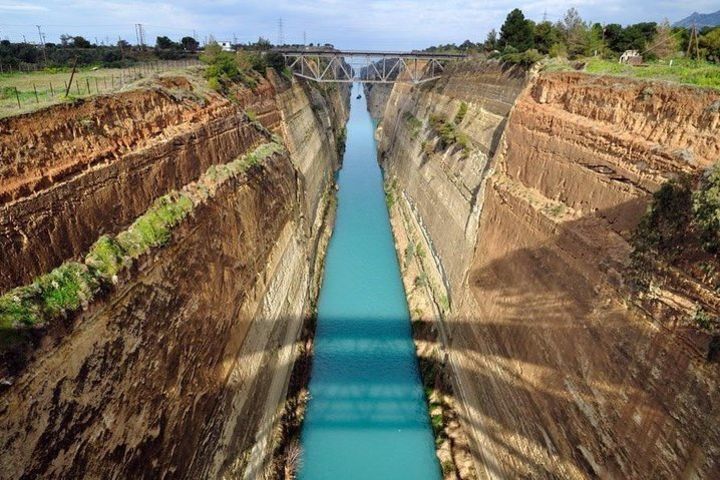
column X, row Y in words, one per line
column 347, row 24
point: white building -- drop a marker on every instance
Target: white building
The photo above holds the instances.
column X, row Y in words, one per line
column 226, row 46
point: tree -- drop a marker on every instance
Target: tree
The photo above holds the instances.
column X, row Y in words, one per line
column 711, row 42
column 466, row 45
column 517, row 32
column 123, row 44
column 576, row 33
column 164, row 43
column 614, row 37
column 596, row 41
column 546, row 35
column 638, row 36
column 80, row 42
column 665, row 43
column 263, row 44
column 189, row 44
column 491, row 42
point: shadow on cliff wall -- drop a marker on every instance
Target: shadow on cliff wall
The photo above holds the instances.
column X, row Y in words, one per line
column 561, row 368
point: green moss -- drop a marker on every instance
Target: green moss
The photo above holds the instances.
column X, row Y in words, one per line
column 105, row 256
column 19, row 308
column 66, row 288
column 153, row 228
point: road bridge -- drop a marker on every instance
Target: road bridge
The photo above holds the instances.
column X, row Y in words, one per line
column 348, row 66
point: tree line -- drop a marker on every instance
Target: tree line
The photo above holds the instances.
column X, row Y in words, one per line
column 573, row 37
column 23, row 55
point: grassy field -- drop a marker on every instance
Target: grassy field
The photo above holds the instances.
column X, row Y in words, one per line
column 701, row 74
column 51, row 85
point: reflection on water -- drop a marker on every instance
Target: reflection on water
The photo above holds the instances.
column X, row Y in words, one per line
column 367, row 417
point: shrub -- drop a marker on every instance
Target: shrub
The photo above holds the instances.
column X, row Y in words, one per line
column 449, row 133
column 525, row 58
column 461, row 113
column 667, row 217
column 706, row 209
column 704, row 320
column 413, row 124
column 409, row 253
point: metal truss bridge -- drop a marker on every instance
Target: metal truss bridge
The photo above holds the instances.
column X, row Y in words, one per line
column 350, row 66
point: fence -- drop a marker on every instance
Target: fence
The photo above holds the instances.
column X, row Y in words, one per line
column 23, row 92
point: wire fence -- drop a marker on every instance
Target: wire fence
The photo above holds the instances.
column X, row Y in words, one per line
column 24, row 92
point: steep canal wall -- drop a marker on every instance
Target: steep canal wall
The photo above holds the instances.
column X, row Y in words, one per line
column 187, row 231
column 515, row 198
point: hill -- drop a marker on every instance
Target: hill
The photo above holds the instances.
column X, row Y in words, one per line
column 700, row 19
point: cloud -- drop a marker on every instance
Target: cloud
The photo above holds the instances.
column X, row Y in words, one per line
column 21, row 7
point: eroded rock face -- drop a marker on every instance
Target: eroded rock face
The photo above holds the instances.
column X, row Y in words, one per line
column 557, row 373
column 180, row 369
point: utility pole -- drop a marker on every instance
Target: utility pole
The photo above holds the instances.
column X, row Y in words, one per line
column 140, row 35
column 545, row 16
column 281, row 37
column 693, row 36
column 42, row 43
column 304, row 37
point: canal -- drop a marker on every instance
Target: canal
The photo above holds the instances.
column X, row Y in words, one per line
column 367, row 417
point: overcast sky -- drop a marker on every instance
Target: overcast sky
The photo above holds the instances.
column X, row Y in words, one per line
column 372, row 24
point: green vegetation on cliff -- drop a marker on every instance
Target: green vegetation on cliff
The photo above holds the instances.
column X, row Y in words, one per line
column 449, row 133
column 680, row 235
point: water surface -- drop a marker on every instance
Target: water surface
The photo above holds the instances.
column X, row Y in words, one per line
column 367, row 417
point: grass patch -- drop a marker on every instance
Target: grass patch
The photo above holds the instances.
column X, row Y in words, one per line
column 50, row 296
column 701, row 74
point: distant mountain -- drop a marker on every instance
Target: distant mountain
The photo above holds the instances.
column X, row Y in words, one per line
column 700, row 19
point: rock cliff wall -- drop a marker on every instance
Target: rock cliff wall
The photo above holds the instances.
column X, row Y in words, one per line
column 513, row 225
column 179, row 367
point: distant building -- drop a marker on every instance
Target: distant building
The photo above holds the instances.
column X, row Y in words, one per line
column 631, row 57
column 227, row 46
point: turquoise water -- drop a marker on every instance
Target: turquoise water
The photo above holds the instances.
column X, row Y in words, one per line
column 367, row 417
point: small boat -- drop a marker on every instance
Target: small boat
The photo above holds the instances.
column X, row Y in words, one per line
column 359, row 97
